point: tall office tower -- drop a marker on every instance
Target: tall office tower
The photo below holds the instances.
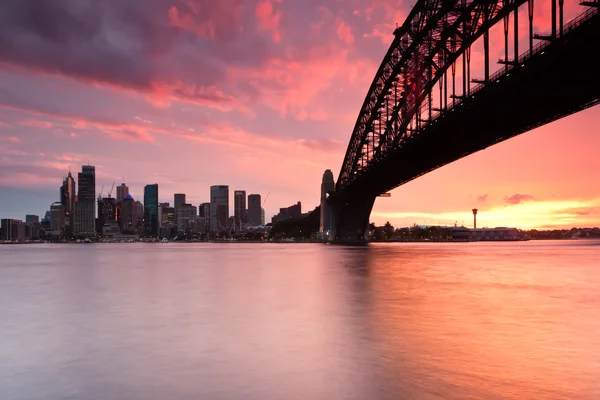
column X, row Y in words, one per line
column 178, row 200
column 128, row 220
column 139, row 215
column 85, row 206
column 185, row 215
column 32, row 219
column 327, row 186
column 67, row 199
column 122, row 191
column 204, row 210
column 151, row 209
column 239, row 208
column 107, row 213
column 57, row 219
column 219, row 207
column 254, row 208
column 262, row 217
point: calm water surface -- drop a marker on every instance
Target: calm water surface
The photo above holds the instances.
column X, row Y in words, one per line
column 263, row 321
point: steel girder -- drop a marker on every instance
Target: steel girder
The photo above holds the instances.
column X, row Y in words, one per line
column 429, row 42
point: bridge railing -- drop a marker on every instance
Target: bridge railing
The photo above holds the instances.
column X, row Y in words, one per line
column 537, row 49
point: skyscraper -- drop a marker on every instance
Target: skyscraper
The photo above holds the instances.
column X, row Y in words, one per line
column 204, row 210
column 151, row 209
column 178, row 200
column 254, row 207
column 67, row 199
column 239, row 208
column 219, row 207
column 128, row 214
column 327, row 186
column 85, row 207
column 122, row 191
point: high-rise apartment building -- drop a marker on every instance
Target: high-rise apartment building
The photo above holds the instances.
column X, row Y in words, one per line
column 151, row 209
column 122, row 191
column 254, row 207
column 67, row 199
column 219, row 207
column 85, row 207
column 185, row 213
column 204, row 210
column 57, row 219
column 239, row 208
column 128, row 215
column 178, row 200
column 32, row 219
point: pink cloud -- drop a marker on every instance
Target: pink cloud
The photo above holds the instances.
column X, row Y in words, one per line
column 14, row 139
column 344, row 32
column 519, row 198
column 35, row 123
column 269, row 19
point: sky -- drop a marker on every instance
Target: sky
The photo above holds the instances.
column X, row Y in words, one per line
column 260, row 95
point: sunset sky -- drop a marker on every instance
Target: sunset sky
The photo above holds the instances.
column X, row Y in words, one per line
column 258, row 95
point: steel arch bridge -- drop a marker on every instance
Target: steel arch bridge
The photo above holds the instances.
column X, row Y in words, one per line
column 415, row 119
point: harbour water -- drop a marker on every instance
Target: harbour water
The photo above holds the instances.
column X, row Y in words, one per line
column 300, row 321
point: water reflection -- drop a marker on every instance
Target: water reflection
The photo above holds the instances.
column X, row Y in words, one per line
column 389, row 321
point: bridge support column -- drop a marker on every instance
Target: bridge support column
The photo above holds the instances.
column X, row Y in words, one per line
column 350, row 220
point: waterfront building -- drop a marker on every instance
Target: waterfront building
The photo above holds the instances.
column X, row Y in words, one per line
column 204, row 211
column 151, row 209
column 67, row 199
column 219, row 207
column 239, row 209
column 32, row 219
column 12, row 229
column 122, row 192
column 327, row 187
column 85, row 206
column 294, row 211
column 178, row 200
column 139, row 215
column 485, row 234
column 262, row 217
column 107, row 212
column 57, row 219
column 128, row 215
column 254, row 210
column 185, row 213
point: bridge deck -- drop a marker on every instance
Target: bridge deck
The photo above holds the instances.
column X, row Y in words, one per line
column 558, row 80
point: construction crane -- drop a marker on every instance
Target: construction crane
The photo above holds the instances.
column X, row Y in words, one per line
column 100, row 194
column 111, row 189
column 265, row 200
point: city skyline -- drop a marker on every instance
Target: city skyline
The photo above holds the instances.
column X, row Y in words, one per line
column 269, row 109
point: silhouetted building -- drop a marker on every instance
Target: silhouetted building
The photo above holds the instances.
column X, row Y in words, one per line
column 85, row 206
column 139, row 213
column 239, row 208
column 178, row 200
column 254, row 210
column 57, row 219
column 151, row 209
column 32, row 219
column 185, row 214
column 128, row 215
column 67, row 199
column 107, row 211
column 122, row 191
column 204, row 210
column 219, row 207
column 327, row 187
column 294, row 211
column 12, row 229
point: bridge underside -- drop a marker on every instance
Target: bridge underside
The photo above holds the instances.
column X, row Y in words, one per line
column 562, row 80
